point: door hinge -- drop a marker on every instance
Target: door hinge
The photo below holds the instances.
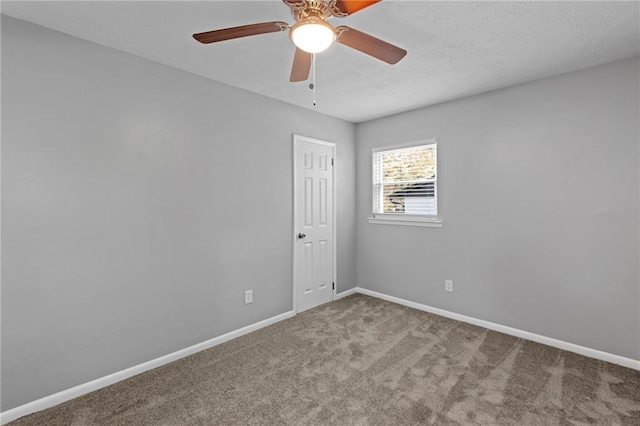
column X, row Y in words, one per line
column 334, row 286
column 332, row 161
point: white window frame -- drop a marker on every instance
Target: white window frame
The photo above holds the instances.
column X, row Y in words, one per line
column 405, row 219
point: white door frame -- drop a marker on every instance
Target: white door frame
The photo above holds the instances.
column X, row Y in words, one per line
column 294, row 234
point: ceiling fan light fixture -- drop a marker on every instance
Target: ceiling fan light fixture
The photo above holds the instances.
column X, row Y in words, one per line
column 313, row 35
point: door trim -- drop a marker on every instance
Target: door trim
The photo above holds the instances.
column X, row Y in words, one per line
column 295, row 139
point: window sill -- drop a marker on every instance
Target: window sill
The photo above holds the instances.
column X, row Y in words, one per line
column 413, row 221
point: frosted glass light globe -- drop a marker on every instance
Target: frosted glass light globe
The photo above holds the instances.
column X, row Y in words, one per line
column 312, row 35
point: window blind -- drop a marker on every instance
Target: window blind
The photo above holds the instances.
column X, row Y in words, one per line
column 405, row 181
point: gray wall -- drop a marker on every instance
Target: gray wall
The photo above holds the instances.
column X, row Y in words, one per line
column 539, row 196
column 139, row 202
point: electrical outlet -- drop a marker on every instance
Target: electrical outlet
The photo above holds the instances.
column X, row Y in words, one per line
column 248, row 297
column 448, row 286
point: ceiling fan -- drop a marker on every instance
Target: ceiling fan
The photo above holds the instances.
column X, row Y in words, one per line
column 312, row 33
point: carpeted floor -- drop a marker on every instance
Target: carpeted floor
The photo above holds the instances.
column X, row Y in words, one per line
column 364, row 361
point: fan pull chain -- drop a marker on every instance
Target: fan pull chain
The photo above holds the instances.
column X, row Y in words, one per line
column 313, row 77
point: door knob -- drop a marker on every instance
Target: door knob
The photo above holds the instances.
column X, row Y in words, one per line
column 301, row 236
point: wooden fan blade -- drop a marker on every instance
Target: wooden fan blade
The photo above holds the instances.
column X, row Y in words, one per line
column 301, row 66
column 370, row 45
column 242, row 31
column 350, row 7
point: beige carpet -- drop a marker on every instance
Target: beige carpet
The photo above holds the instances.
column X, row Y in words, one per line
column 365, row 361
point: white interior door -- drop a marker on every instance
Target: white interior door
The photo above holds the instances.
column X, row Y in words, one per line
column 313, row 223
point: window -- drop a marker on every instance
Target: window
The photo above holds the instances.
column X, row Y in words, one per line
column 405, row 189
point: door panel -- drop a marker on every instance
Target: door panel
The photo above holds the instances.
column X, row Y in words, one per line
column 308, row 202
column 314, row 239
column 323, row 263
column 322, row 201
column 307, row 284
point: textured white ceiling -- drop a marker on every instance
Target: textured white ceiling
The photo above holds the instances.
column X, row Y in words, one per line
column 456, row 49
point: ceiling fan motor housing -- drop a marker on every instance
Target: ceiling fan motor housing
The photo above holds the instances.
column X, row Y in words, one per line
column 322, row 10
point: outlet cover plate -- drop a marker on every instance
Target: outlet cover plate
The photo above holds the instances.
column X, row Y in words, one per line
column 448, row 286
column 248, row 297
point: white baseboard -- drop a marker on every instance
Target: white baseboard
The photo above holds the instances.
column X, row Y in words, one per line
column 76, row 391
column 549, row 341
column 345, row 293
